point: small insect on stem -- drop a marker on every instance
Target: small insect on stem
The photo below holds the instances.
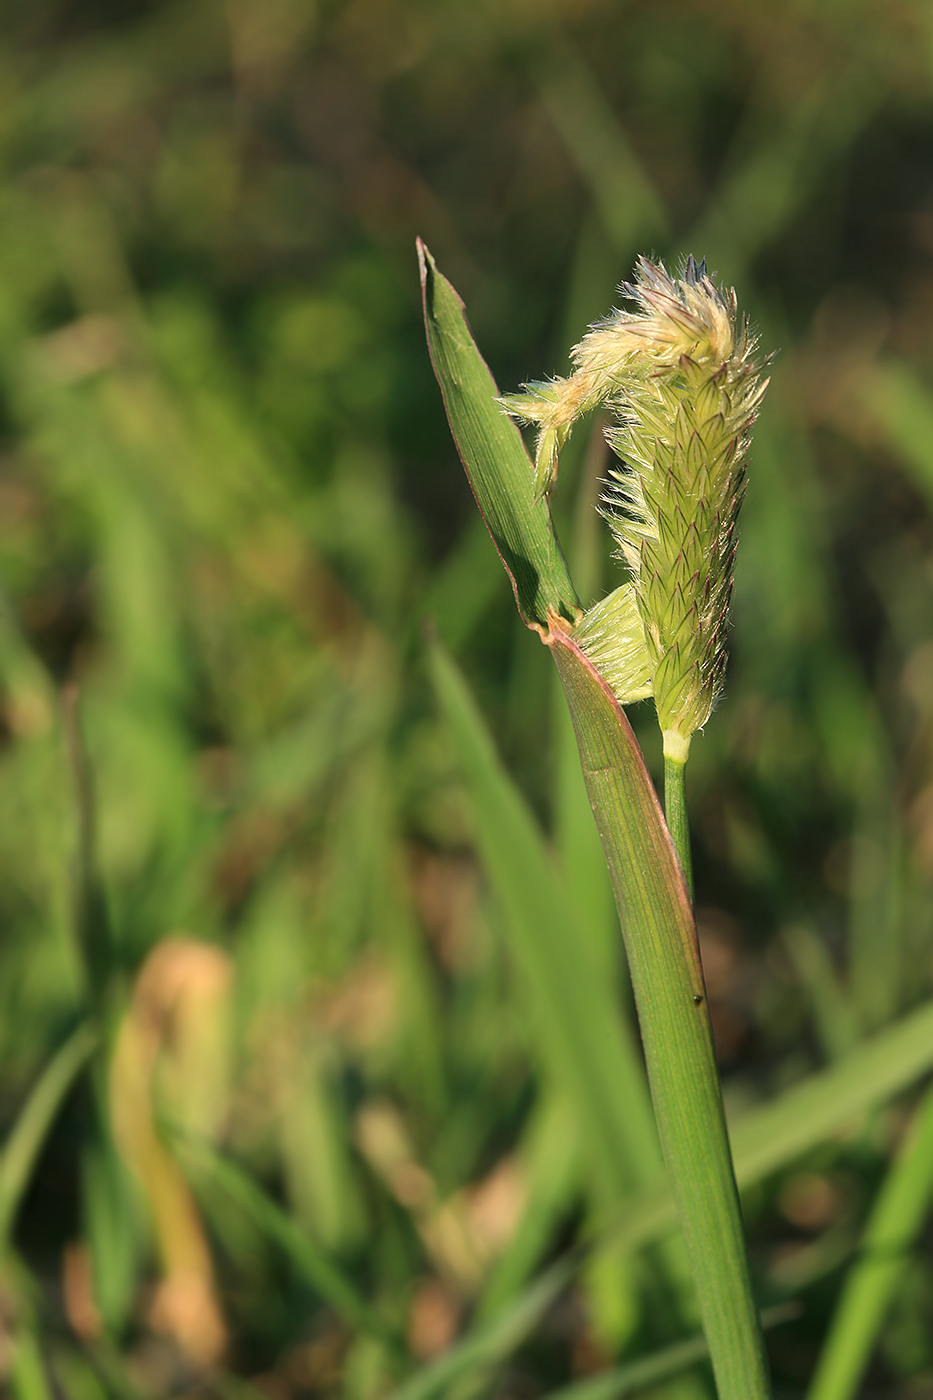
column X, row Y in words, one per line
column 697, row 999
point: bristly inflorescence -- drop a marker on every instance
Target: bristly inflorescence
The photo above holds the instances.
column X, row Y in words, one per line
column 680, row 376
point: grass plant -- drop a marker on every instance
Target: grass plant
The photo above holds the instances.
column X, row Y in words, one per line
column 686, row 391
column 311, row 975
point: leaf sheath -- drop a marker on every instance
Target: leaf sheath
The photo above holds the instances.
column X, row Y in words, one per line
column 661, row 943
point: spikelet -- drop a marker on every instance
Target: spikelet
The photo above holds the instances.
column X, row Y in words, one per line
column 612, row 635
column 680, row 376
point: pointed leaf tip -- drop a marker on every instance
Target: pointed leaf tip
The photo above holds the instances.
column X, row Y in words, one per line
column 426, row 263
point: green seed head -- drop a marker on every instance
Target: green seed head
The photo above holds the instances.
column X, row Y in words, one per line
column 680, row 376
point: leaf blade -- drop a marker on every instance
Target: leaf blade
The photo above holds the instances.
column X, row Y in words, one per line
column 499, row 470
column 27, row 1138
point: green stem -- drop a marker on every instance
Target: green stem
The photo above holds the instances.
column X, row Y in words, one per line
column 664, row 960
column 675, row 810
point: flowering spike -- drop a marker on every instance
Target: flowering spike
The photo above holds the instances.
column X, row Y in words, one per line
column 681, row 377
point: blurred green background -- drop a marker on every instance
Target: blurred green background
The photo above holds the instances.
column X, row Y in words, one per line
column 321, row 1132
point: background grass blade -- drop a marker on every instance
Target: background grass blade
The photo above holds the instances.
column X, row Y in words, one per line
column 24, row 1144
column 810, row 1112
column 312, row 1263
column 768, row 1138
column 579, row 1031
column 622, row 190
column 892, row 1229
column 493, row 1343
column 27, row 1372
column 903, row 406
column 494, row 456
column 638, row 1376
column 552, row 1158
column 764, row 1140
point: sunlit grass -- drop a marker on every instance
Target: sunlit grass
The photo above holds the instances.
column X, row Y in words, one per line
column 227, row 502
